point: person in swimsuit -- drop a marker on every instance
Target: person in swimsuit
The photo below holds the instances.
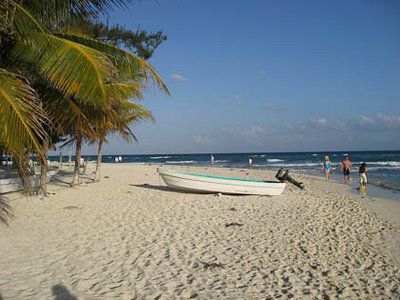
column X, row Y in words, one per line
column 346, row 167
column 327, row 167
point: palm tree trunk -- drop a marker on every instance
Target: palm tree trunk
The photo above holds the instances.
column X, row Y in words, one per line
column 76, row 176
column 43, row 169
column 1, row 156
column 98, row 163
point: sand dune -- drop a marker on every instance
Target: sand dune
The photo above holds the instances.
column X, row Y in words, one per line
column 126, row 237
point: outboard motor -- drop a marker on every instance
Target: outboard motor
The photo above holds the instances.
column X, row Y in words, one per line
column 283, row 175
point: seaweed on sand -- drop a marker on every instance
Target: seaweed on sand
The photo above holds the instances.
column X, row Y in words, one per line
column 211, row 266
column 233, row 224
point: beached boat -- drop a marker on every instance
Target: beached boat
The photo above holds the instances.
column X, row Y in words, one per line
column 14, row 184
column 216, row 184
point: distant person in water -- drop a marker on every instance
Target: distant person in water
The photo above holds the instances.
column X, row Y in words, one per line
column 346, row 167
column 327, row 167
column 250, row 161
column 362, row 172
column 212, row 159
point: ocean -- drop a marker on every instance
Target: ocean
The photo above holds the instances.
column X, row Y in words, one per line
column 383, row 167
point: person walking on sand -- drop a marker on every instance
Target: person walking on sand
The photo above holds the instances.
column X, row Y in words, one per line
column 362, row 171
column 212, row 159
column 346, row 167
column 327, row 167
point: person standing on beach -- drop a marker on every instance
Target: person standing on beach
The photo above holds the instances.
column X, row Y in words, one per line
column 346, row 167
column 212, row 159
column 250, row 161
column 362, row 171
column 327, row 167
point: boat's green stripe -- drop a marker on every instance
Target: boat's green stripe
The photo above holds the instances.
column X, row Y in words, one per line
column 226, row 178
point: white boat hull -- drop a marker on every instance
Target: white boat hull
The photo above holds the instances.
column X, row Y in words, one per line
column 10, row 185
column 214, row 184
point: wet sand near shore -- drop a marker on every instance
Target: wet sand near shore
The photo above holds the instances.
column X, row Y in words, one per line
column 131, row 237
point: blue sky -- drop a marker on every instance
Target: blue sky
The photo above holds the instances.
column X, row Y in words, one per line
column 249, row 76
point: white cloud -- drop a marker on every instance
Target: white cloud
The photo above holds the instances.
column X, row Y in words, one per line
column 249, row 133
column 339, row 125
column 202, row 139
column 178, row 77
column 238, row 99
column 255, row 131
column 320, row 121
column 272, row 107
column 380, row 120
column 366, row 120
column 262, row 72
column 391, row 121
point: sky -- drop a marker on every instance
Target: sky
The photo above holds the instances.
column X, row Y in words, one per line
column 266, row 76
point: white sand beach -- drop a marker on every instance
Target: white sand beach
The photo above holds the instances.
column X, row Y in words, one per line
column 130, row 237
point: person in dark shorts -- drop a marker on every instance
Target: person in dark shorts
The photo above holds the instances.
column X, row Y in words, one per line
column 346, row 167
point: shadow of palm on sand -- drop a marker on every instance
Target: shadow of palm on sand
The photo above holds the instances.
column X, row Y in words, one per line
column 160, row 188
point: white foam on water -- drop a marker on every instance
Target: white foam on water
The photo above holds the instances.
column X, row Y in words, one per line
column 395, row 164
column 160, row 157
column 274, row 160
column 180, row 162
column 297, row 165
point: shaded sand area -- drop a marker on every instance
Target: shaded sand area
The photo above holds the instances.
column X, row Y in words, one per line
column 126, row 237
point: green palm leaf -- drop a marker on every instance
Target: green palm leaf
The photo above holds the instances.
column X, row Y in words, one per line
column 54, row 10
column 74, row 69
column 21, row 116
column 128, row 113
column 130, row 67
column 69, row 118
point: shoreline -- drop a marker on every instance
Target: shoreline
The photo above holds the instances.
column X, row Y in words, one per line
column 129, row 236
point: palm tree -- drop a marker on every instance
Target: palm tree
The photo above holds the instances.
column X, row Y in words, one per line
column 38, row 54
column 125, row 114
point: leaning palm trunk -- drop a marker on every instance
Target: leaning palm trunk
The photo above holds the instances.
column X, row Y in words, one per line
column 98, row 163
column 43, row 169
column 76, row 176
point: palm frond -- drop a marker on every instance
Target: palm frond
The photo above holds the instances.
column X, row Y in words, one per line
column 130, row 67
column 129, row 113
column 54, row 10
column 125, row 90
column 69, row 118
column 21, row 116
column 25, row 22
column 74, row 69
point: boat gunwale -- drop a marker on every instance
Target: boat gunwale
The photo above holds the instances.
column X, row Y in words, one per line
column 214, row 177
